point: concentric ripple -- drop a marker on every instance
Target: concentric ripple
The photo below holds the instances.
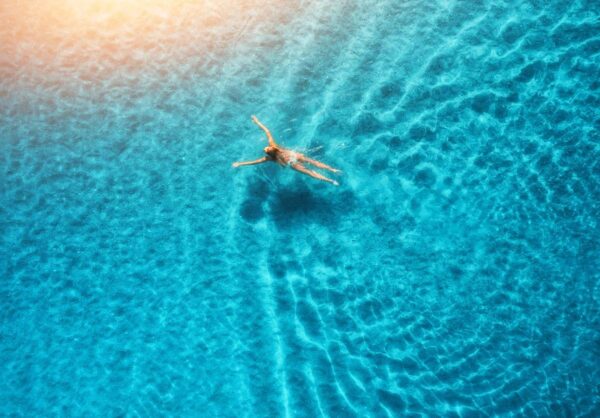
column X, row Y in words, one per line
column 454, row 272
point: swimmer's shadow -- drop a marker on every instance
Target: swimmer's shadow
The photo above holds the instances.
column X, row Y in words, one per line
column 288, row 207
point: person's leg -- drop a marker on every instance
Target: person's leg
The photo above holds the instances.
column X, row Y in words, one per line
column 299, row 167
column 319, row 164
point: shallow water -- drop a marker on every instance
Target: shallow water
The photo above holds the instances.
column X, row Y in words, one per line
column 454, row 272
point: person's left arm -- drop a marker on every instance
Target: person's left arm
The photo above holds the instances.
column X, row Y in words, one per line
column 267, row 132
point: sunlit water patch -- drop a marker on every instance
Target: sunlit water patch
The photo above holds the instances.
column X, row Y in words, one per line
column 454, row 272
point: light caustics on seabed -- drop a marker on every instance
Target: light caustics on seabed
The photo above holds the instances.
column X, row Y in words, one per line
column 453, row 272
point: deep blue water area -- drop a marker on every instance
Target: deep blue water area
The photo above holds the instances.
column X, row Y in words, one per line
column 454, row 272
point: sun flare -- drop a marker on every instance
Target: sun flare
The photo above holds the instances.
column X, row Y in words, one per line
column 76, row 30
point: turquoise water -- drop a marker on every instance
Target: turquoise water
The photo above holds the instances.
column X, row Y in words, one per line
column 454, row 272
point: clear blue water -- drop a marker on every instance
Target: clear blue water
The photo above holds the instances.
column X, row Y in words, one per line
column 454, row 272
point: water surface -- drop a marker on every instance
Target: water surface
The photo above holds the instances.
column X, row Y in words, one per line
column 454, row 272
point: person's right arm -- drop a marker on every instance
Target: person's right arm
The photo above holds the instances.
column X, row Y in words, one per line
column 259, row 161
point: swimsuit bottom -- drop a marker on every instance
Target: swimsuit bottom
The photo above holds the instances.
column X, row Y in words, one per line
column 293, row 160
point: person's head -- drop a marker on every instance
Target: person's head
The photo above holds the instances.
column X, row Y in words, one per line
column 270, row 151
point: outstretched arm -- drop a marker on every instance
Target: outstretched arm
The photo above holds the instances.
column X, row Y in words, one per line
column 264, row 128
column 259, row 161
column 299, row 167
column 319, row 164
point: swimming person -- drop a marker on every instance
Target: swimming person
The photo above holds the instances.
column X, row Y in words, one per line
column 286, row 157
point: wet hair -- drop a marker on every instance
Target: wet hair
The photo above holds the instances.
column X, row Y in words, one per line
column 270, row 150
